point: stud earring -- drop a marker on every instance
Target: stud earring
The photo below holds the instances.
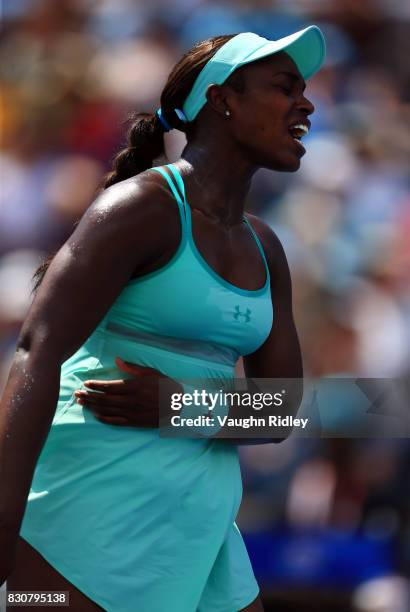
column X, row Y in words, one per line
column 228, row 112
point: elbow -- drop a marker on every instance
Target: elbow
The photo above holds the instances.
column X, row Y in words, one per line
column 35, row 344
column 24, row 342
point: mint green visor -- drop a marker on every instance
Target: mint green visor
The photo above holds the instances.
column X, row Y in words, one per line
column 306, row 48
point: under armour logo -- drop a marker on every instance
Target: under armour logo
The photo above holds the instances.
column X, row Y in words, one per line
column 246, row 314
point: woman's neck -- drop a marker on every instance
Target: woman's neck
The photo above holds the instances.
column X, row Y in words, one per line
column 217, row 181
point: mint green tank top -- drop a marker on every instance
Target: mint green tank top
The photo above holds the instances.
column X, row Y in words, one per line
column 106, row 500
column 183, row 319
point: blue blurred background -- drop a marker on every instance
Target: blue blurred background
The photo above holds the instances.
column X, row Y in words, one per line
column 327, row 522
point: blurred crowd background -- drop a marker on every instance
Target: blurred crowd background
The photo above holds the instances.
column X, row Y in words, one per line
column 327, row 522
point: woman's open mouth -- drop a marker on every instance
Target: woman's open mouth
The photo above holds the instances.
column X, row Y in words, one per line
column 297, row 131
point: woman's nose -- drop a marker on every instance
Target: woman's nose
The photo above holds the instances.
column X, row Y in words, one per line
column 306, row 105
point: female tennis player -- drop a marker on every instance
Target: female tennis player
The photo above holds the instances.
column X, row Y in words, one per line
column 166, row 271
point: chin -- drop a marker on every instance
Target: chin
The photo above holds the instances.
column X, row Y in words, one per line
column 289, row 165
column 294, row 167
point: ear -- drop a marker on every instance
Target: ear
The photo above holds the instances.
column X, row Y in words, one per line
column 217, row 98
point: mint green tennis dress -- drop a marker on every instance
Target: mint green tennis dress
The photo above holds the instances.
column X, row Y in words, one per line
column 138, row 522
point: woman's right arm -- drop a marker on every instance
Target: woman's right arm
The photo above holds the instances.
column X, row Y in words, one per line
column 127, row 227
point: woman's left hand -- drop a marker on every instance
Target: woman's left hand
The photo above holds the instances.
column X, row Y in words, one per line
column 130, row 402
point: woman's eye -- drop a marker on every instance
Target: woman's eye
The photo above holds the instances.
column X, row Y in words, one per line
column 286, row 90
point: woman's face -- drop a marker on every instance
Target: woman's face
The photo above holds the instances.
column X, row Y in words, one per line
column 264, row 116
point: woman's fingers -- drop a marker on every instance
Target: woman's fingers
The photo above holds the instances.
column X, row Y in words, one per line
column 130, row 402
column 112, row 407
column 123, row 386
column 110, row 417
column 135, row 369
column 104, row 399
column 118, row 387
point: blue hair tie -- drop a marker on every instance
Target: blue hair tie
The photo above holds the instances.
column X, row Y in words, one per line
column 181, row 115
column 164, row 122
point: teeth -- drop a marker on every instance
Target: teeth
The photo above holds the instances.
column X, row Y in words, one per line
column 300, row 126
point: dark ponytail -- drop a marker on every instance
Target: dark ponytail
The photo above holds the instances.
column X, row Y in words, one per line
column 145, row 137
column 145, row 143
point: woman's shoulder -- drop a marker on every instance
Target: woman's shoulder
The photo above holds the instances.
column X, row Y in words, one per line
column 139, row 211
column 144, row 195
column 265, row 233
column 272, row 246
